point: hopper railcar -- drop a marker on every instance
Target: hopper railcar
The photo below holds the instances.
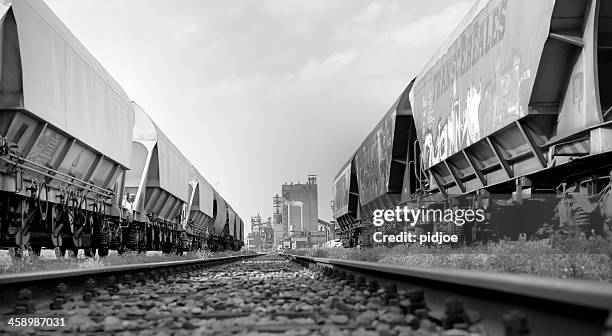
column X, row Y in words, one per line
column 512, row 116
column 172, row 206
column 223, row 234
column 81, row 166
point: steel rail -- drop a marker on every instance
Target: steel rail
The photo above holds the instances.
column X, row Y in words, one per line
column 559, row 304
column 44, row 286
column 576, row 292
column 31, row 277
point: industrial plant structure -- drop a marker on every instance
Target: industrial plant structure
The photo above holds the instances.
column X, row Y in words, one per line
column 299, row 207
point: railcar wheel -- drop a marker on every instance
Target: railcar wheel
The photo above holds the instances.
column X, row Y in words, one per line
column 60, row 252
column 34, row 250
column 43, row 202
column 16, row 252
column 73, row 253
column 89, row 252
column 102, row 251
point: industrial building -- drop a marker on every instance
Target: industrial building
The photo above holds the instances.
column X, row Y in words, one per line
column 280, row 229
column 299, row 207
column 324, row 233
column 295, row 220
column 261, row 236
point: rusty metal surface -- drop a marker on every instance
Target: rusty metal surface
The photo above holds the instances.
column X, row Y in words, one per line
column 482, row 78
column 67, row 88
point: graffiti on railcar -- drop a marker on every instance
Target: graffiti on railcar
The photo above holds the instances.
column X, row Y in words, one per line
column 341, row 189
column 483, row 80
column 373, row 160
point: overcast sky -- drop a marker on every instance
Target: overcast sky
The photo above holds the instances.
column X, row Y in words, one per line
column 261, row 92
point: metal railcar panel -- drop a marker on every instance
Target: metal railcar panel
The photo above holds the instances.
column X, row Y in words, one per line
column 220, row 215
column 205, row 194
column 561, row 96
column 46, row 148
column 232, row 220
column 341, row 189
column 67, row 88
column 166, row 167
column 240, row 233
column 140, row 157
column 382, row 159
column 373, row 160
column 38, row 99
column 481, row 80
column 173, row 168
column 581, row 106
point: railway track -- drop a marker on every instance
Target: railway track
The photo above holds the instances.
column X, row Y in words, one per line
column 67, row 298
column 274, row 294
column 502, row 304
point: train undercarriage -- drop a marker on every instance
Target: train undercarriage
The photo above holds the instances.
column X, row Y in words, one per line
column 580, row 206
column 43, row 208
column 223, row 243
column 31, row 223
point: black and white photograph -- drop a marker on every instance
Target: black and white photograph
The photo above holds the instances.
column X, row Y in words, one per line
column 306, row 167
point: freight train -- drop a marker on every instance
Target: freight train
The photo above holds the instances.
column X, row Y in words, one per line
column 512, row 116
column 83, row 167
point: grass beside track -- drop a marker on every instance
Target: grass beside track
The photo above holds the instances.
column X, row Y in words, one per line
column 576, row 259
column 48, row 262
